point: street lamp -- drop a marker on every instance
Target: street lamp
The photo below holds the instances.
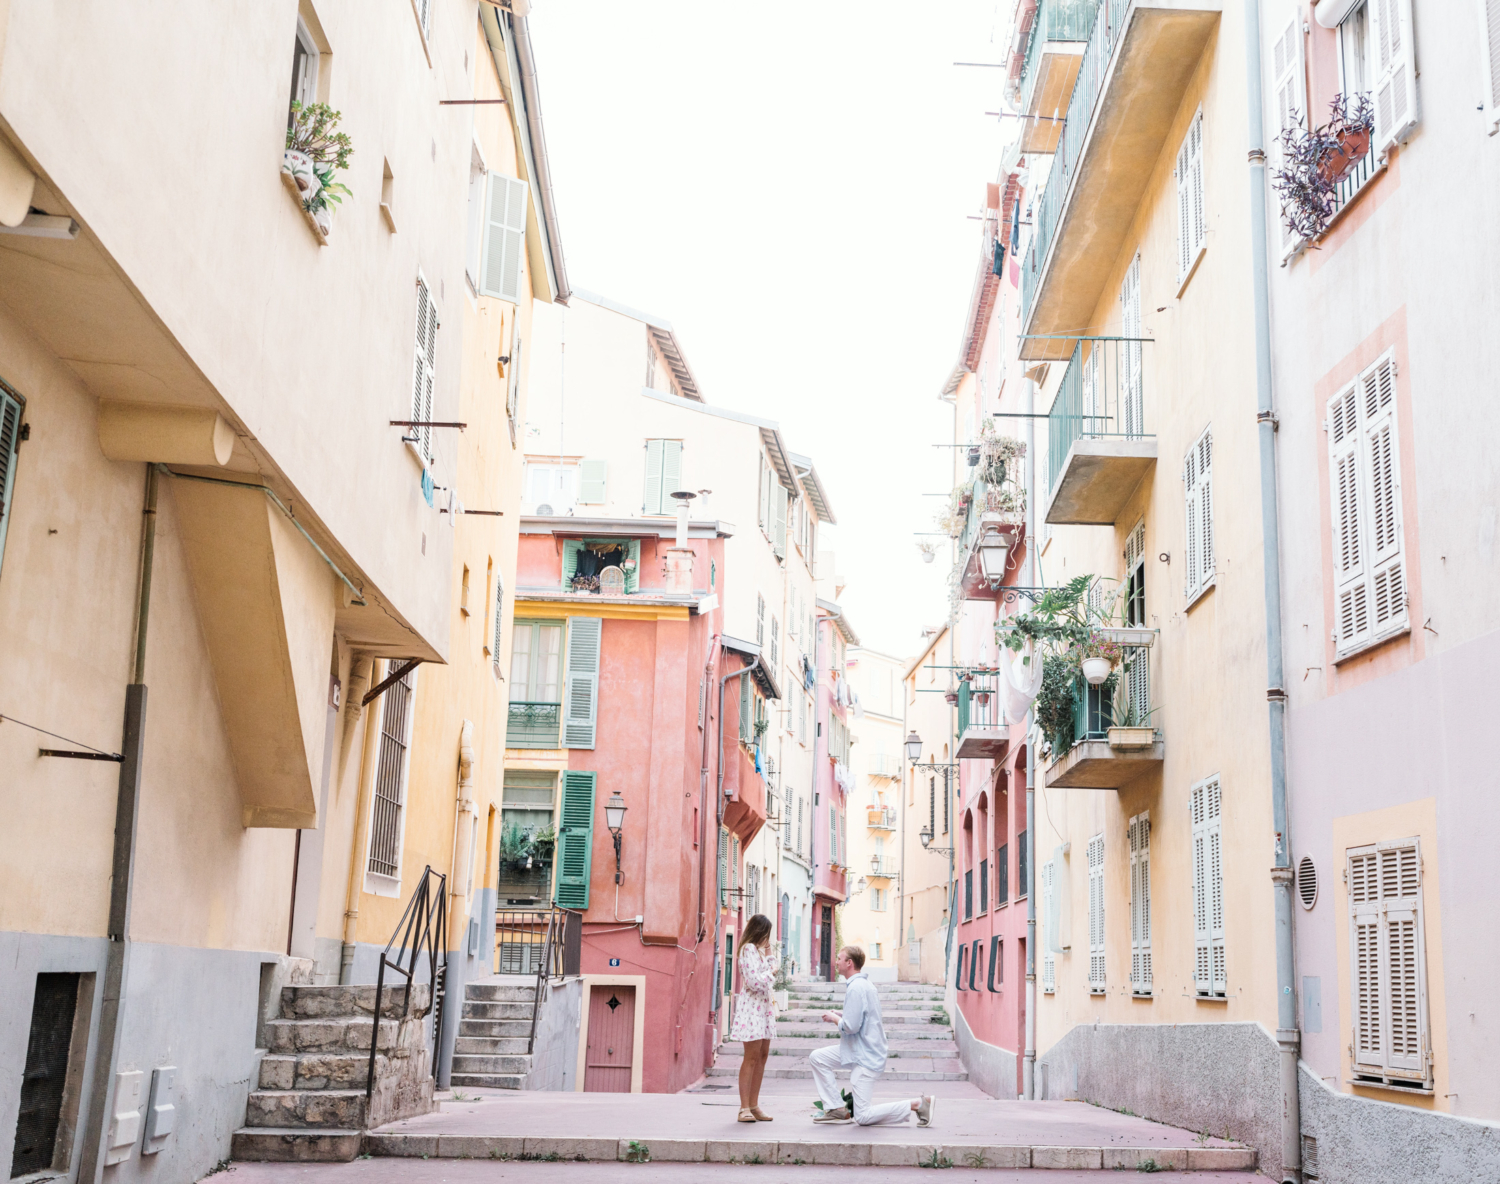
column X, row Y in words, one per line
column 614, row 818
column 994, row 549
column 913, row 746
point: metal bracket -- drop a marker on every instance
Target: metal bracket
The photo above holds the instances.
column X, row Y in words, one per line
column 82, row 756
column 1270, row 418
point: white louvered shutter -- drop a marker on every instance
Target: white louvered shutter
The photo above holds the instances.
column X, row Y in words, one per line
column 1049, row 920
column 671, row 474
column 422, row 370
column 1364, row 931
column 10, row 436
column 1189, row 174
column 1096, row 913
column 1197, row 478
column 1351, row 595
column 651, row 502
column 513, row 379
column 581, row 703
column 1210, row 975
column 495, row 651
column 1489, row 56
column 1132, row 390
column 1394, row 69
column 778, row 519
column 1289, row 85
column 1389, row 1038
column 591, row 475
column 1379, row 442
column 1140, row 904
column 504, row 238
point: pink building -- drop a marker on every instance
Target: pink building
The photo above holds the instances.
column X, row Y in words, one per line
column 620, row 681
column 832, row 782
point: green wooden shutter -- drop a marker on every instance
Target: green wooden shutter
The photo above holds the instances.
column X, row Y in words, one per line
column 571, row 547
column 633, row 576
column 591, row 474
column 10, row 431
column 651, row 502
column 575, row 839
column 581, row 703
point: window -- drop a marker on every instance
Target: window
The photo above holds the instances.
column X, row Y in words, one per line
column 1049, row 940
column 499, row 617
column 551, row 488
column 797, row 846
column 1137, row 658
column 997, row 964
column 786, row 820
column 1139, row 829
column 763, row 492
column 984, row 885
column 305, row 62
column 1002, row 874
column 760, row 619
column 526, row 808
column 1375, row 58
column 581, row 706
column 1132, row 384
column 609, row 566
column 388, row 810
column 422, row 380
column 974, row 959
column 591, row 482
column 475, row 217
column 1192, row 231
column 663, row 476
column 535, row 662
column 424, row 16
column 1198, row 480
column 11, row 408
column 1096, row 915
column 833, row 834
column 1388, row 963
column 575, row 839
column 778, row 518
column 1209, row 977
column 875, row 954
column 1489, row 56
column 775, row 660
column 500, row 273
column 878, row 897
column 1365, row 472
column 1023, row 887
column 968, row 894
column 959, row 982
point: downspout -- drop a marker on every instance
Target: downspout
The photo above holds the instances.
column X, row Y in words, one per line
column 708, row 673
column 122, row 874
column 719, row 815
column 1287, row 1036
column 1028, row 1063
column 463, row 809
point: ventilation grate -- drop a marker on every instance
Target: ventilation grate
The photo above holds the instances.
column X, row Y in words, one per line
column 46, row 1073
column 1307, row 882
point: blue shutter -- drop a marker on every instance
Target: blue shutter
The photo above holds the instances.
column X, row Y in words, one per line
column 575, row 840
column 581, row 700
column 10, row 433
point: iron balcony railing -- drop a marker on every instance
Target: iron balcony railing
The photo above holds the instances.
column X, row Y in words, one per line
column 882, row 866
column 1056, row 20
column 1101, row 396
column 880, row 818
column 979, row 703
column 533, row 725
column 1122, row 701
column 530, row 942
column 1108, row 21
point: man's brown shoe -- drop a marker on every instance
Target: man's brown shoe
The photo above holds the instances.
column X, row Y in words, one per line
column 839, row 1114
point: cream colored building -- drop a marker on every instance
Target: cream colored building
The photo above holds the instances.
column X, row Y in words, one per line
column 204, row 494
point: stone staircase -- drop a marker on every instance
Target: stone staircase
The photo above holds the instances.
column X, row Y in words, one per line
column 492, row 1034
column 917, row 1031
column 310, row 1103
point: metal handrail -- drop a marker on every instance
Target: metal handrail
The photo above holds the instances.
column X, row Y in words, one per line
column 1056, row 20
column 425, row 919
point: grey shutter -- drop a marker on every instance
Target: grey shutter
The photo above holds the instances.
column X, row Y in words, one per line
column 591, row 475
column 581, row 702
column 513, row 376
column 504, row 238
column 1382, row 472
column 1209, row 963
column 10, row 439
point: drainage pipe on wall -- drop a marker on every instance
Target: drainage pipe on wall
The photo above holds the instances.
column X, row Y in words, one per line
column 1287, row 1038
column 122, row 875
column 719, row 817
column 1028, row 1062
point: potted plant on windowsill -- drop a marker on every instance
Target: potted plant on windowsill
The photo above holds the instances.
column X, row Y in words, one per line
column 543, row 843
column 315, row 153
column 1347, row 133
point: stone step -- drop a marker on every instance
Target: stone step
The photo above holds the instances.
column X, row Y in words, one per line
column 894, row 1048
column 497, row 1011
column 336, row 1002
column 333, row 1035
column 494, row 1028
column 921, row 1031
column 319, row 1070
column 295, row 1145
column 729, row 1066
column 293, row 1108
column 490, row 1046
column 500, row 993
column 489, row 1080
column 471, row 1064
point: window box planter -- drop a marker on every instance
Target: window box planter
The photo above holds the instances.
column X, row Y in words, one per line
column 1128, row 636
column 1351, row 146
column 1130, row 739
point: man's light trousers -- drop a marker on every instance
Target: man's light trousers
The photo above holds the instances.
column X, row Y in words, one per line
column 825, row 1063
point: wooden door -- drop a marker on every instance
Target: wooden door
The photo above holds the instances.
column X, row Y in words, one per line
column 611, row 1040
column 825, row 944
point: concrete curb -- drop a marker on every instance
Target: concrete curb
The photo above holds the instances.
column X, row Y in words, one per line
column 855, row 1154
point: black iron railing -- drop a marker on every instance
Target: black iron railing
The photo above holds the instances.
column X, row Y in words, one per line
column 530, row 941
column 423, row 929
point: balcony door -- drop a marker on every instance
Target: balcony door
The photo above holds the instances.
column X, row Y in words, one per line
column 535, row 685
column 526, row 852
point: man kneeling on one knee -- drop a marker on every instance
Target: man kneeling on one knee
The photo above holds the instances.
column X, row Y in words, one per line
column 862, row 1051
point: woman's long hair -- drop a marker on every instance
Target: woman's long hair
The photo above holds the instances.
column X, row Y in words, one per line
column 757, row 929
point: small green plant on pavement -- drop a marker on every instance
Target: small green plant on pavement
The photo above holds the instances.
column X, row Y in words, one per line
column 637, row 1152
column 936, row 1160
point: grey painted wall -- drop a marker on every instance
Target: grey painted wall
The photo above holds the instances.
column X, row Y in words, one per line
column 1352, row 1140
column 991, row 1068
column 1222, row 1079
column 554, row 1064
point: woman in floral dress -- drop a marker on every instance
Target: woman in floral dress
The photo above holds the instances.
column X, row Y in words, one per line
column 754, row 1014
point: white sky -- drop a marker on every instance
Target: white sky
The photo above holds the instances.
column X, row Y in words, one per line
column 788, row 185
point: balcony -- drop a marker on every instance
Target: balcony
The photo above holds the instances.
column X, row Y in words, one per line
column 1054, row 54
column 881, row 765
column 882, row 867
column 533, row 725
column 1097, row 446
column 880, row 818
column 983, row 733
column 1134, row 72
column 1113, row 740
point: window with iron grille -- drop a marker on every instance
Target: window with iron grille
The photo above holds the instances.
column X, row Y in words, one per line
column 984, row 885
column 388, row 811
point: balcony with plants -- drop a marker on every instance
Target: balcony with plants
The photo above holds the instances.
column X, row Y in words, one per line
column 1131, row 80
column 1054, row 52
column 983, row 730
column 1098, row 446
column 880, row 817
column 986, row 517
column 1094, row 707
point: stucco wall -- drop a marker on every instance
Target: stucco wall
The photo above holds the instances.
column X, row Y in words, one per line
column 554, row 1059
column 990, row 1067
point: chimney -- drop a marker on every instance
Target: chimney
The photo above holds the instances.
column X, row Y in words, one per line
column 677, row 565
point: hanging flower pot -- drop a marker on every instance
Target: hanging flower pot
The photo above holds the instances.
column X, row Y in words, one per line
column 1351, row 146
column 1096, row 670
column 982, row 698
column 974, row 456
column 950, row 698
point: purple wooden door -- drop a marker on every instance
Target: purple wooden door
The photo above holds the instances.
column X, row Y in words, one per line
column 611, row 1038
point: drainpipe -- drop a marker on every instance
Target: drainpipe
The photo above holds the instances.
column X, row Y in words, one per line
column 708, row 673
column 1028, row 1063
column 719, row 812
column 122, row 874
column 1287, row 1037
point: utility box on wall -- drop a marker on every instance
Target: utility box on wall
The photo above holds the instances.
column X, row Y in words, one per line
column 125, row 1118
column 161, row 1114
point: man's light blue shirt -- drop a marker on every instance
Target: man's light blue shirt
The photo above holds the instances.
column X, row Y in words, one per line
column 861, row 1032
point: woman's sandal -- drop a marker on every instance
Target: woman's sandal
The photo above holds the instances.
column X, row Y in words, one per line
column 760, row 1115
column 746, row 1115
